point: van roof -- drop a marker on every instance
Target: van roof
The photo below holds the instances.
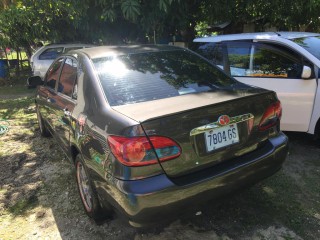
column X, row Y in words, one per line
column 257, row 35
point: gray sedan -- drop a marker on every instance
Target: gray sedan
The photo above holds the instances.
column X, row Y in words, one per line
column 152, row 130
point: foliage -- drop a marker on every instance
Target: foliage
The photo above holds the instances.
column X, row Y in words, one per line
column 16, row 27
column 56, row 20
column 201, row 29
column 23, row 22
column 130, row 9
column 284, row 14
column 152, row 19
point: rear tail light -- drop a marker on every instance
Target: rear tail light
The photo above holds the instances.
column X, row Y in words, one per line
column 139, row 151
column 271, row 116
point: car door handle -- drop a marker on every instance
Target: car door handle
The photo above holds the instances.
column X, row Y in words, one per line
column 66, row 112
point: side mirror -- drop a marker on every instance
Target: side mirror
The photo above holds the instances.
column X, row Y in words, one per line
column 306, row 72
column 34, row 81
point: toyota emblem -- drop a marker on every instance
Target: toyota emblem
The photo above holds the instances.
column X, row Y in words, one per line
column 224, row 120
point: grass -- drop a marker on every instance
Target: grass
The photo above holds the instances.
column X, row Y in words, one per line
column 13, row 55
column 20, row 110
column 15, row 89
column 23, row 205
column 288, row 199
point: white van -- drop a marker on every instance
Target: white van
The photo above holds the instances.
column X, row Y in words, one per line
column 41, row 60
column 286, row 62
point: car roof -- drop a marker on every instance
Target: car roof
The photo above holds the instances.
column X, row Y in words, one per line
column 257, row 35
column 104, row 51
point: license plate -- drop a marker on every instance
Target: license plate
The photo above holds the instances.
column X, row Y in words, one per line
column 221, row 137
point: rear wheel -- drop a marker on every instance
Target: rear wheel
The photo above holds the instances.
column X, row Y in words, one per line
column 87, row 192
column 43, row 130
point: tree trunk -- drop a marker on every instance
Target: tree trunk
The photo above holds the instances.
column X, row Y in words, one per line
column 18, row 61
column 28, row 51
column 21, row 61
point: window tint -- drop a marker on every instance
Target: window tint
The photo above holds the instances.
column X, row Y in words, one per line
column 68, row 77
column 155, row 75
column 53, row 74
column 262, row 60
column 51, row 53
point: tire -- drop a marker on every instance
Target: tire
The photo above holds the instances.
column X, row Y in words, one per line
column 88, row 193
column 43, row 130
column 316, row 134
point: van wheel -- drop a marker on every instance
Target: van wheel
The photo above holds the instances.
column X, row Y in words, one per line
column 316, row 134
column 87, row 192
column 43, row 130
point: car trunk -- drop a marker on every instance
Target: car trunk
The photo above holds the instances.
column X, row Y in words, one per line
column 191, row 121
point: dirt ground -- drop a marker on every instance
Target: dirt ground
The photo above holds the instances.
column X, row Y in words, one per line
column 39, row 198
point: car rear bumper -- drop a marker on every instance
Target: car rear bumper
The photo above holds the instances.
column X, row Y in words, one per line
column 148, row 201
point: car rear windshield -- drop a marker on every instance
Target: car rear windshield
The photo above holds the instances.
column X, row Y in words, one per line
column 141, row 77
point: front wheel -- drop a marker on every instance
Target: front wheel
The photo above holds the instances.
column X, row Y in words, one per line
column 87, row 192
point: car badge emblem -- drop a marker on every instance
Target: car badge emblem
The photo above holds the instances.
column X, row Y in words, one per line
column 224, row 120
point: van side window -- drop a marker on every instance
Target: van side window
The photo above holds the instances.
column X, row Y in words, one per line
column 51, row 53
column 272, row 61
column 263, row 60
column 239, row 58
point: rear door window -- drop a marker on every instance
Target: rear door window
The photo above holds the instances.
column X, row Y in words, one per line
column 68, row 77
column 51, row 53
column 53, row 74
column 155, row 75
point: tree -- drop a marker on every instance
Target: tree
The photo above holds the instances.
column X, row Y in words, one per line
column 6, row 3
column 16, row 32
column 284, row 14
column 157, row 19
column 56, row 20
column 120, row 21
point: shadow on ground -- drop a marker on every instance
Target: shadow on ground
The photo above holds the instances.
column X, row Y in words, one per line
column 38, row 192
